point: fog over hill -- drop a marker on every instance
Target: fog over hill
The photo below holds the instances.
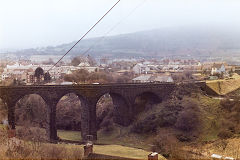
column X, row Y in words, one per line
column 194, row 41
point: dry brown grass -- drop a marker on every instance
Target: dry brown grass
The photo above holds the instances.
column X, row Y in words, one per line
column 223, row 87
column 18, row 149
column 226, row 148
column 14, row 148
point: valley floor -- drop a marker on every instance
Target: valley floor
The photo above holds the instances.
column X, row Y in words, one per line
column 64, row 150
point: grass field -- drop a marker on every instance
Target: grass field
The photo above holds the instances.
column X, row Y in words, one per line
column 113, row 144
column 69, row 135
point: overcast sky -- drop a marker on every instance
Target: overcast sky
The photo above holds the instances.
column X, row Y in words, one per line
column 38, row 23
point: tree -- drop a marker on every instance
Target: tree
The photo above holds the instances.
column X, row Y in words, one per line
column 47, row 77
column 75, row 61
column 77, row 76
column 91, row 60
column 38, row 72
column 231, row 72
column 188, row 119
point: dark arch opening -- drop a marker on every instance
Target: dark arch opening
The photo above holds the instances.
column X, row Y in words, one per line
column 145, row 101
column 113, row 113
column 104, row 112
column 111, row 110
column 122, row 111
column 68, row 117
column 31, row 118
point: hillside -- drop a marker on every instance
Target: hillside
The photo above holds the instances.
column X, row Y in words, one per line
column 203, row 41
column 187, row 125
column 224, row 87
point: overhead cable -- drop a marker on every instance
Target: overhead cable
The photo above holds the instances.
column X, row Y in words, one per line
column 112, row 28
column 84, row 35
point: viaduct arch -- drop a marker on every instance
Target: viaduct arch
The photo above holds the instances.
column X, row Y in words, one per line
column 123, row 96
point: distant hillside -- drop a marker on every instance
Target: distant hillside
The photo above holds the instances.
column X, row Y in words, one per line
column 160, row 42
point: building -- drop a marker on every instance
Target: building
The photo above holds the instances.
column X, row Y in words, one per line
column 140, row 69
column 218, row 68
column 153, row 78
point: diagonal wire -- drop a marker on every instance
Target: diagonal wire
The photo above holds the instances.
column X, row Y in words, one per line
column 84, row 35
column 106, row 34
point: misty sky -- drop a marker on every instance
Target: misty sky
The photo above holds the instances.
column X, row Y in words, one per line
column 38, row 23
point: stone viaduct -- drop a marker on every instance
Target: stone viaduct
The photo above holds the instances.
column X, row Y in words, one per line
column 123, row 96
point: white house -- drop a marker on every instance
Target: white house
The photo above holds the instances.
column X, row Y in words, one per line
column 218, row 68
column 140, row 69
column 84, row 64
column 5, row 75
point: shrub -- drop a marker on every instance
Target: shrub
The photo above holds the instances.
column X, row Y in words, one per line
column 188, row 119
column 32, row 134
column 184, row 138
column 17, row 149
column 3, row 136
column 53, row 152
column 225, row 134
column 107, row 126
column 168, row 146
column 164, row 115
column 222, row 144
column 227, row 104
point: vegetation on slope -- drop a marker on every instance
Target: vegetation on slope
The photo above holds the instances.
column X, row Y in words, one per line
column 188, row 119
column 223, row 87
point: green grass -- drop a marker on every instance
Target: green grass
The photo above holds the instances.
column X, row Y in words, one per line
column 121, row 151
column 108, row 138
column 116, row 150
column 69, row 135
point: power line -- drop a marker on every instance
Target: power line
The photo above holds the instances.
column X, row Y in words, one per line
column 104, row 36
column 84, row 35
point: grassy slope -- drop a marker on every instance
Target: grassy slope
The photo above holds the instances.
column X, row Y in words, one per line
column 210, row 117
column 223, row 87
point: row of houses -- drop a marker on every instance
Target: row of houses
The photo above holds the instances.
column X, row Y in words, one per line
column 26, row 72
column 153, row 68
column 147, row 71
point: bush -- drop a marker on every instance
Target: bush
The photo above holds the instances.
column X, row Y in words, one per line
column 53, row 152
column 188, row 119
column 227, row 104
column 164, row 115
column 17, row 149
column 167, row 145
column 184, row 138
column 32, row 134
column 225, row 134
column 107, row 126
column 222, row 144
